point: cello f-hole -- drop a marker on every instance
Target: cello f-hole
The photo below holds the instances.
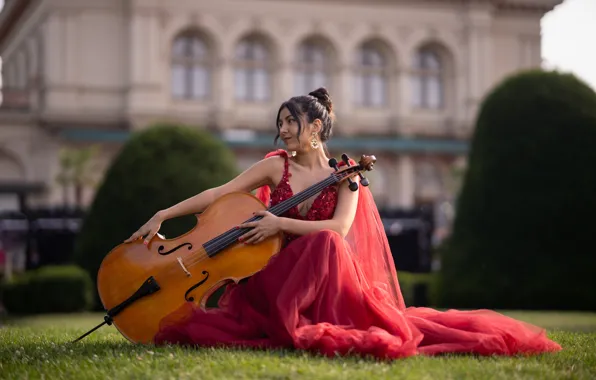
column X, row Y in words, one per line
column 190, row 299
column 161, row 248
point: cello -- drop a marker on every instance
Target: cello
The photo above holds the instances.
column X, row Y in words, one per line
column 139, row 285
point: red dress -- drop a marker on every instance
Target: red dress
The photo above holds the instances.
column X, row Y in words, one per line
column 335, row 295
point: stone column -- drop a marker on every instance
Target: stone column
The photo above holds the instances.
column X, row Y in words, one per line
column 53, row 41
column 284, row 87
column 138, row 36
column 407, row 186
column 403, row 100
column 400, row 182
column 343, row 97
column 223, row 91
column 148, row 68
column 479, row 56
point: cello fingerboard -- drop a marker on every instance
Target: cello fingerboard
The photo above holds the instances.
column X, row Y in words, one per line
column 221, row 242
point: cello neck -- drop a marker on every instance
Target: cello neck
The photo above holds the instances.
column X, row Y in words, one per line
column 221, row 242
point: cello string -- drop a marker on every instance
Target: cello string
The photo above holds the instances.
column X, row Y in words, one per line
column 223, row 239
column 231, row 235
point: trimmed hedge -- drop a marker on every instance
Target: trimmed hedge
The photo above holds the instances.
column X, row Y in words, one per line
column 523, row 232
column 418, row 289
column 157, row 168
column 50, row 289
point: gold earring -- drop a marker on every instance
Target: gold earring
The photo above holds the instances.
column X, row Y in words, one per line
column 314, row 143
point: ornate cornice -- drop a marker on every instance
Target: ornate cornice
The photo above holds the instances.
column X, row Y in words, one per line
column 14, row 9
column 542, row 6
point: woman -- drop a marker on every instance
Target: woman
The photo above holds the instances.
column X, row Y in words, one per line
column 333, row 287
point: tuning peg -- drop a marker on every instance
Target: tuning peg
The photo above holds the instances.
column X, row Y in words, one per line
column 363, row 180
column 373, row 159
column 345, row 159
column 333, row 163
column 353, row 185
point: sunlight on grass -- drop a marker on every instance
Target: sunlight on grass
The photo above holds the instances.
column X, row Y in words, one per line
column 35, row 346
column 557, row 320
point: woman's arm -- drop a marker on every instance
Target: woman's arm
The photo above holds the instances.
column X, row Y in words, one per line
column 341, row 222
column 262, row 173
column 257, row 175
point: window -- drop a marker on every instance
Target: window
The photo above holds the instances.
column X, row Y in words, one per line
column 371, row 76
column 252, row 75
column 427, row 80
column 191, row 69
column 313, row 67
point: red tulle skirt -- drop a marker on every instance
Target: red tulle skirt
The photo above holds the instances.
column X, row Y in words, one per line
column 312, row 296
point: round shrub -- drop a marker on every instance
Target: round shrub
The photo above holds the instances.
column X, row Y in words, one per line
column 157, row 168
column 50, row 289
column 523, row 231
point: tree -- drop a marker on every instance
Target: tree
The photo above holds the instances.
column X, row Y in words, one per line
column 76, row 170
column 157, row 168
column 523, row 229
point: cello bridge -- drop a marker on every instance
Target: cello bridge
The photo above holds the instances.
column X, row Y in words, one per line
column 183, row 267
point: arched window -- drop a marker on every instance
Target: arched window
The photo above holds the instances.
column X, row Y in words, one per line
column 428, row 87
column 371, row 77
column 252, row 74
column 191, row 67
column 313, row 66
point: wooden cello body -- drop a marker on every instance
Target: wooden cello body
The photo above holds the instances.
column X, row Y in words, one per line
column 141, row 284
column 180, row 267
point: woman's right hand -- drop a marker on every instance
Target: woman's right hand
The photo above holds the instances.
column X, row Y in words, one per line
column 150, row 229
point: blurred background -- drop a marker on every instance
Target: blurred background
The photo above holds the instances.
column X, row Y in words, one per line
column 81, row 77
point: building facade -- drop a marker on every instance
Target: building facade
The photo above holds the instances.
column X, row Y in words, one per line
column 406, row 77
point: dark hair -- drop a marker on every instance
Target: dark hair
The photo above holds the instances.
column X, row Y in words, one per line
column 316, row 105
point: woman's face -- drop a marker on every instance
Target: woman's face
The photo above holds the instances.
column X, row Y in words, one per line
column 288, row 132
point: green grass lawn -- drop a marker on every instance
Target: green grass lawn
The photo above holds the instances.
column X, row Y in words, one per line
column 38, row 347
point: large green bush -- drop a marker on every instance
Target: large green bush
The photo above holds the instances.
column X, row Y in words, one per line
column 523, row 233
column 157, row 168
column 418, row 289
column 50, row 289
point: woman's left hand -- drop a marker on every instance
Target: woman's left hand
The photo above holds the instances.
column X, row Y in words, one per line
column 262, row 229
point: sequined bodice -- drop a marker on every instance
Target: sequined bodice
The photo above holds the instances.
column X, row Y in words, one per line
column 322, row 208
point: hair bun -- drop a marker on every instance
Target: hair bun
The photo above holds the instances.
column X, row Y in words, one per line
column 324, row 98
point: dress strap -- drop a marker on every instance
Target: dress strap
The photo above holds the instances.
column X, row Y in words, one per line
column 264, row 192
column 281, row 152
column 286, row 174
